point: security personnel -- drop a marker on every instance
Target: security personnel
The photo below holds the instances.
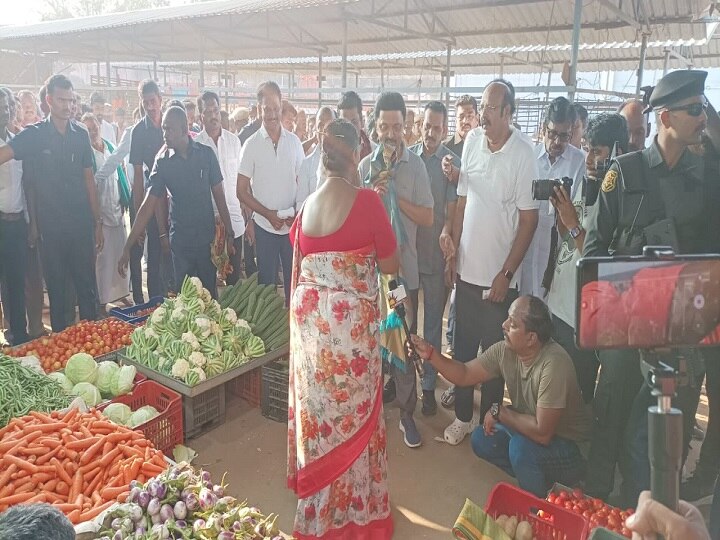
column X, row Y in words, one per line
column 662, row 195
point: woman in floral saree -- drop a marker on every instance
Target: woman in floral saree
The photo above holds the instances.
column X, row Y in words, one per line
column 337, row 463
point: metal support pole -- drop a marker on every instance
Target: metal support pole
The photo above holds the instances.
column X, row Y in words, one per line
column 344, row 55
column 502, row 66
column 357, row 79
column 447, row 75
column 164, row 76
column 382, row 74
column 37, row 72
column 155, row 78
column 666, row 61
column 202, row 71
column 225, row 81
column 641, row 66
column 320, row 79
column 291, row 83
column 577, row 20
column 107, row 69
column 547, row 93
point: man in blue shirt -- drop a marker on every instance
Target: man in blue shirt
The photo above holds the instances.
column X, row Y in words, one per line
column 434, row 243
column 62, row 190
column 191, row 173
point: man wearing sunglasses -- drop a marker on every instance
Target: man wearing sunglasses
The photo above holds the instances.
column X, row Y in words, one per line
column 662, row 195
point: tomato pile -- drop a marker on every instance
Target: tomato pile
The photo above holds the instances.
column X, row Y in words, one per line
column 595, row 511
column 93, row 337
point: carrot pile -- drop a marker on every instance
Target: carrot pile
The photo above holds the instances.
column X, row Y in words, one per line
column 79, row 462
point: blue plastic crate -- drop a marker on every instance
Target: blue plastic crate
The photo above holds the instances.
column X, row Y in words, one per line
column 128, row 314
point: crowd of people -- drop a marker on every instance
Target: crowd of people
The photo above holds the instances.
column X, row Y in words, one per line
column 325, row 202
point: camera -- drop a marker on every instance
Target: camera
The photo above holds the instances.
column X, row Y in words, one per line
column 543, row 189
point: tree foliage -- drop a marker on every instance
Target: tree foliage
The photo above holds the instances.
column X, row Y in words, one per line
column 66, row 9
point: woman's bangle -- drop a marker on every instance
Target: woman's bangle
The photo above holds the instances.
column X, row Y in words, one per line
column 432, row 350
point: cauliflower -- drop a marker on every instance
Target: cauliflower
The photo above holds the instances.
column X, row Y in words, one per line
column 203, row 323
column 242, row 323
column 180, row 368
column 216, row 329
column 198, row 284
column 197, row 359
column 158, row 315
column 178, row 313
column 200, row 373
column 189, row 337
column 230, row 315
column 206, row 297
column 150, row 333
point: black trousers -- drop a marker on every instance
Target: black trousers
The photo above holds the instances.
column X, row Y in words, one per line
column 618, row 385
column 13, row 264
column 160, row 275
column 136, row 253
column 249, row 257
column 478, row 323
column 194, row 261
column 69, row 251
column 585, row 361
column 236, row 262
column 709, row 462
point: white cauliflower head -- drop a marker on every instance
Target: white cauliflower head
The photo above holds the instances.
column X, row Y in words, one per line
column 243, row 324
column 189, row 337
column 150, row 333
column 197, row 359
column 200, row 372
column 180, row 368
column 158, row 315
column 198, row 284
column 230, row 315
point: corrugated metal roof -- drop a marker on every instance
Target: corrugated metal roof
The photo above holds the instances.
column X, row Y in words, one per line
column 279, row 32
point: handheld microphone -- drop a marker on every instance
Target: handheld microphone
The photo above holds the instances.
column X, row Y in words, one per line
column 396, row 295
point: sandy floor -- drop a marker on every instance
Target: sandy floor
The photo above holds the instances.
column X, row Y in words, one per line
column 428, row 485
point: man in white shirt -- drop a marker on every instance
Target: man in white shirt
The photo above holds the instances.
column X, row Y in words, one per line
column 267, row 184
column 107, row 130
column 494, row 225
column 556, row 159
column 310, row 168
column 227, row 148
column 13, row 235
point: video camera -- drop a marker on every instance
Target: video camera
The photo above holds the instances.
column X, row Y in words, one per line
column 543, row 189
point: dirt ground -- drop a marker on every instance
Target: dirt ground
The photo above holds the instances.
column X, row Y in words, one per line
column 428, row 485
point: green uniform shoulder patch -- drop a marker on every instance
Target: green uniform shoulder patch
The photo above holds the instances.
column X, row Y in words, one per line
column 610, row 181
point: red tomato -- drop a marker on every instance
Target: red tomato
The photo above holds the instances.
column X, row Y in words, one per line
column 551, row 498
column 578, row 493
column 613, row 522
column 568, row 505
column 597, row 504
column 563, row 495
column 587, row 514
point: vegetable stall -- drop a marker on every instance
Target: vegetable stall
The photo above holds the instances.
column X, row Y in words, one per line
column 89, row 416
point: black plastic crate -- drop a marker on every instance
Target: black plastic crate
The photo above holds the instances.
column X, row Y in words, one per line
column 203, row 412
column 274, row 395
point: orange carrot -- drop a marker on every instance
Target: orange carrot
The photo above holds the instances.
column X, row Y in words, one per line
column 5, row 476
column 152, row 470
column 109, row 493
column 20, row 463
column 62, row 473
column 94, row 512
column 65, row 507
column 74, row 516
column 16, row 498
column 76, row 486
column 110, row 457
column 83, row 444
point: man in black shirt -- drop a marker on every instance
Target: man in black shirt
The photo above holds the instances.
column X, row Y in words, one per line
column 146, row 142
column 191, row 173
column 62, row 189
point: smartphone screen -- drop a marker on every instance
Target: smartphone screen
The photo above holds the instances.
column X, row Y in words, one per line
column 646, row 303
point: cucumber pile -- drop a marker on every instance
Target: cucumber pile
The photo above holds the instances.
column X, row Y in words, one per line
column 262, row 307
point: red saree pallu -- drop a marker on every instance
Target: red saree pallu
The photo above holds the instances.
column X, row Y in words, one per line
column 337, row 463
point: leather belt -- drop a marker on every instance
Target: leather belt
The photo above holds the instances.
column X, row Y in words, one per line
column 13, row 216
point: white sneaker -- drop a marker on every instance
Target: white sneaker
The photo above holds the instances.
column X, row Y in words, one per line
column 456, row 432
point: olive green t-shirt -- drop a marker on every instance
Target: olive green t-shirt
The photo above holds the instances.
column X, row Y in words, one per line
column 549, row 382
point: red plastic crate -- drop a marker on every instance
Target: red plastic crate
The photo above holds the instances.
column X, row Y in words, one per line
column 556, row 523
column 248, row 386
column 165, row 430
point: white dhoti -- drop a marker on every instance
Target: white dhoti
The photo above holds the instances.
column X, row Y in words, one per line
column 111, row 285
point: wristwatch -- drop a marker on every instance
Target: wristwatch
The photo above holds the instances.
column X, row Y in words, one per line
column 508, row 274
column 495, row 411
column 576, row 231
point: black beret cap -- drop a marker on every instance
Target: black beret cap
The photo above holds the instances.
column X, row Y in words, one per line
column 676, row 86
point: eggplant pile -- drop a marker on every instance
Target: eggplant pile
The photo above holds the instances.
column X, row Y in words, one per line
column 183, row 503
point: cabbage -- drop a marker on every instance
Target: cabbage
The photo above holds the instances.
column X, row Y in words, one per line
column 142, row 415
column 118, row 413
column 123, row 379
column 89, row 393
column 106, row 373
column 81, row 368
column 62, row 380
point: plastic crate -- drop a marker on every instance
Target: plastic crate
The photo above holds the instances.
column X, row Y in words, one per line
column 128, row 314
column 601, row 533
column 165, row 430
column 275, row 380
column 554, row 523
column 248, row 386
column 204, row 411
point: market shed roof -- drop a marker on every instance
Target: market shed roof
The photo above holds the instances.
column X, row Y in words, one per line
column 522, row 35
